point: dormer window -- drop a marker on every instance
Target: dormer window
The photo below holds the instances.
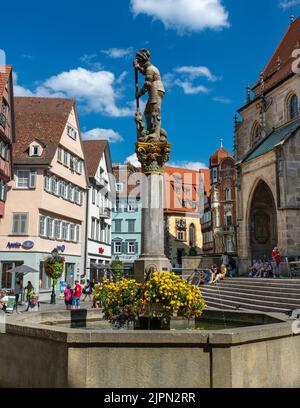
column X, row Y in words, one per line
column 35, row 150
column 256, row 133
column 72, row 132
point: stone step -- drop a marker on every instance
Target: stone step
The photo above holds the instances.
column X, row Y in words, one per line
column 263, row 283
column 287, row 303
column 273, row 296
column 224, row 303
column 258, row 289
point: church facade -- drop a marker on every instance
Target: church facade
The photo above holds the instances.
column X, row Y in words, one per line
column 267, row 152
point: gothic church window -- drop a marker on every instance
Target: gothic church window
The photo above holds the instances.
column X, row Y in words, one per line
column 293, row 107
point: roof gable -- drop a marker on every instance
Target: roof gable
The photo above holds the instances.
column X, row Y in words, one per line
column 5, row 72
column 93, row 152
column 43, row 119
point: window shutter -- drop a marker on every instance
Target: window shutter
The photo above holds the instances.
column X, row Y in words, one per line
column 136, row 247
column 113, row 248
column 124, row 247
column 32, row 179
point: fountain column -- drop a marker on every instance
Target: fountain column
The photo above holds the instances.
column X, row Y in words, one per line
column 152, row 157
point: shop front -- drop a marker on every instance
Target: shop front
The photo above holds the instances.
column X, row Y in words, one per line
column 42, row 284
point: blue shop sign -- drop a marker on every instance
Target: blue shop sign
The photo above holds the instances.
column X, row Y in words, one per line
column 17, row 245
column 61, row 248
column 28, row 245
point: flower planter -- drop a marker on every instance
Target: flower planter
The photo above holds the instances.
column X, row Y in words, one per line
column 152, row 323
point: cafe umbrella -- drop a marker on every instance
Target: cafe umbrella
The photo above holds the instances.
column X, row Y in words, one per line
column 23, row 270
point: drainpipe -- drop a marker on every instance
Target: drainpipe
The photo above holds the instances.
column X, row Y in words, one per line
column 86, row 231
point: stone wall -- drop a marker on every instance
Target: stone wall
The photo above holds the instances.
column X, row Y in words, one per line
column 36, row 355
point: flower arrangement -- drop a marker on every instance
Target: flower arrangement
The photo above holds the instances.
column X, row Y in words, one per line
column 120, row 300
column 54, row 266
column 162, row 296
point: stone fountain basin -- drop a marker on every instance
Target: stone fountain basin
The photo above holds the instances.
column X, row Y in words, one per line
column 264, row 354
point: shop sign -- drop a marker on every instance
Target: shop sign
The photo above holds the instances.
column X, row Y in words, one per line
column 101, row 250
column 17, row 245
column 28, row 245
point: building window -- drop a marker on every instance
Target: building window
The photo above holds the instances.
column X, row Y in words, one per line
column 57, row 229
column 54, row 185
column 131, row 207
column 131, row 247
column 65, row 230
column 93, row 196
column 293, row 107
column 255, row 133
column 228, row 218
column 118, row 225
column 3, row 191
column 49, row 227
column 181, row 235
column 131, row 226
column 72, row 132
column 20, row 223
column 59, row 154
column 26, row 179
column 72, row 232
column 35, row 150
column 228, row 194
column 117, row 247
column 66, row 158
column 42, row 226
column 192, row 233
column 214, row 175
column 119, row 187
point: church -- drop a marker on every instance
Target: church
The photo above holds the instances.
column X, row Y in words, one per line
column 267, row 153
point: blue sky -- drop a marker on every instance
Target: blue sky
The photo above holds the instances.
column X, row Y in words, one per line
column 207, row 52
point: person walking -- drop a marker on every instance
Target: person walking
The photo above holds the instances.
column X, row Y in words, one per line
column 87, row 291
column 30, row 291
column 18, row 292
column 77, row 292
column 276, row 262
column 68, row 296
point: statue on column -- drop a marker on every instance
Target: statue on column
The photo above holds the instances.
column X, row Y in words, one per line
column 154, row 87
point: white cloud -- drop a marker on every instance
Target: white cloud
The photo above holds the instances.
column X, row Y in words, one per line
column 196, row 72
column 285, row 4
column 188, row 165
column 89, row 59
column 102, row 134
column 133, row 160
column 222, row 99
column 184, row 15
column 190, row 89
column 95, row 91
column 185, row 77
column 118, row 52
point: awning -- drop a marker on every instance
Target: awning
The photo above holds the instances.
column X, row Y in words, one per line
column 23, row 269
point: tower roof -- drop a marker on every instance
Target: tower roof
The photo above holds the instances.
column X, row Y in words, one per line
column 218, row 156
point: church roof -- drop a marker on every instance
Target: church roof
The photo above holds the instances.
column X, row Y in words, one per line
column 280, row 65
column 275, row 137
column 218, row 156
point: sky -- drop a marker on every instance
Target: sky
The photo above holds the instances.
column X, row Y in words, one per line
column 206, row 50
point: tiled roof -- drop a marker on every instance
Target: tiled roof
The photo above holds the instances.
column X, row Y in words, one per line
column 43, row 119
column 93, row 151
column 218, row 156
column 277, row 136
column 280, row 65
column 5, row 72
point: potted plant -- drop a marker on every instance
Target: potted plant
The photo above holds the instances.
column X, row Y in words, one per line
column 54, row 266
column 150, row 305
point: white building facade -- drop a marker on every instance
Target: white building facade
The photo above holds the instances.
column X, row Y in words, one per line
column 98, row 214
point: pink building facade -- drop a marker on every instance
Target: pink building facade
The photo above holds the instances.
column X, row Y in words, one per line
column 46, row 200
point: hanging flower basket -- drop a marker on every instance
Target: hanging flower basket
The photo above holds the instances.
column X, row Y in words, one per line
column 54, row 266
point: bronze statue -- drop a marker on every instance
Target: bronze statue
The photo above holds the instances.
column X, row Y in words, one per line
column 156, row 91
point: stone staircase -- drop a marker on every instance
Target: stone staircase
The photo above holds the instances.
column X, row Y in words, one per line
column 265, row 295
